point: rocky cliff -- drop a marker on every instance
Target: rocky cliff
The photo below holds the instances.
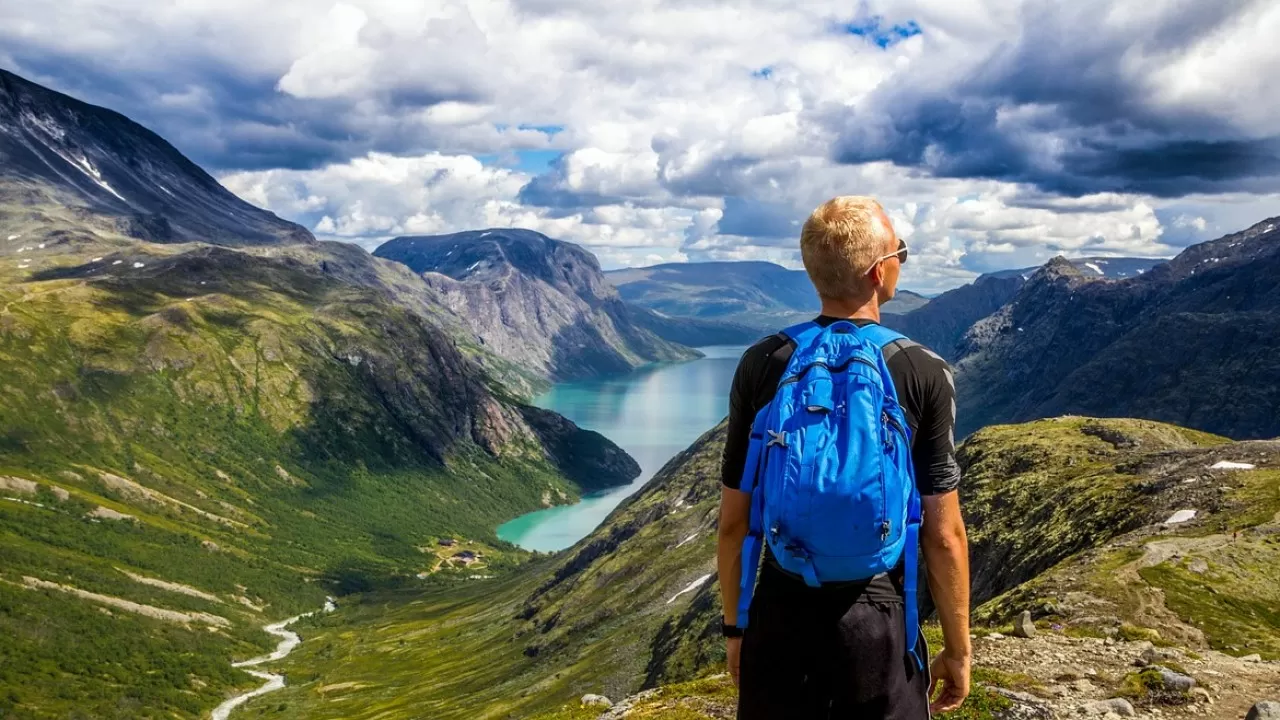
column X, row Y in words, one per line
column 538, row 302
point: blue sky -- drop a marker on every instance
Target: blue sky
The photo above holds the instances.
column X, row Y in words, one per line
column 997, row 134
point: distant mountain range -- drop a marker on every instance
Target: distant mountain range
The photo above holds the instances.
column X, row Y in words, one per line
column 756, row 294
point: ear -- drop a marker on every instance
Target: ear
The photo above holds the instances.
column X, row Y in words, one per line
column 876, row 276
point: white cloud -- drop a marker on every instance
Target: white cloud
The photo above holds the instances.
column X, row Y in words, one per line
column 679, row 116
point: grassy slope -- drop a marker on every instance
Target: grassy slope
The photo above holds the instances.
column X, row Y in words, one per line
column 597, row 619
column 295, row 436
column 1106, row 562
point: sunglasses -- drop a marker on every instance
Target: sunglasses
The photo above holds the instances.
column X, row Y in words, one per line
column 901, row 251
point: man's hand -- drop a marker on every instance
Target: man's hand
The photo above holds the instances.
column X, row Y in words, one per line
column 733, row 656
column 953, row 672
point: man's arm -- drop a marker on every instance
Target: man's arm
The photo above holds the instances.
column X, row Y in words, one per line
column 735, row 516
column 946, row 555
column 735, row 505
column 930, row 389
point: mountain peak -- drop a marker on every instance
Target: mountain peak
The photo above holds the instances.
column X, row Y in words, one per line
column 56, row 150
column 494, row 252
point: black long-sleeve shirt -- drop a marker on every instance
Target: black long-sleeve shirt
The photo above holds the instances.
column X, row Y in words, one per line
column 926, row 391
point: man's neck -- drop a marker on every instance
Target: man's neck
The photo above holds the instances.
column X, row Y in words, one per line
column 852, row 310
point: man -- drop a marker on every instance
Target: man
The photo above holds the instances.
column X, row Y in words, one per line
column 840, row 650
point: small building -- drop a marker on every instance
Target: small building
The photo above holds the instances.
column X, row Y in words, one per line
column 448, row 542
column 465, row 556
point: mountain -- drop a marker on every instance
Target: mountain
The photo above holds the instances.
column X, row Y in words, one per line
column 1111, row 268
column 541, row 303
column 68, row 163
column 943, row 322
column 941, row 325
column 1069, row 518
column 197, row 440
column 757, row 294
column 1193, row 341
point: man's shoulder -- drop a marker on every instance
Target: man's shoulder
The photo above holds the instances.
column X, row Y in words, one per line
column 762, row 349
column 911, row 357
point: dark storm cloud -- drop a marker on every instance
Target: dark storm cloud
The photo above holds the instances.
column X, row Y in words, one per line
column 227, row 121
column 1060, row 109
column 755, row 219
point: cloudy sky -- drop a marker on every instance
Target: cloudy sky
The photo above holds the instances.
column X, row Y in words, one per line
column 998, row 134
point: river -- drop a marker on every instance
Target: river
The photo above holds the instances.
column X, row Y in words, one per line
column 652, row 413
column 288, row 641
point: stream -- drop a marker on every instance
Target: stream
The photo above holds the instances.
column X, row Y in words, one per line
column 288, row 641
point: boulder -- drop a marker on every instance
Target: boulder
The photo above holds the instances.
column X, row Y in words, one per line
column 599, row 701
column 1265, row 710
column 1252, row 658
column 1024, row 627
column 1154, row 655
column 1174, row 680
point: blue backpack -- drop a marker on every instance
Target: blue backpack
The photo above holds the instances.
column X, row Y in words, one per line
column 829, row 468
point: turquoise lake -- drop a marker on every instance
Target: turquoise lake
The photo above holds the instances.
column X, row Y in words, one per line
column 652, row 413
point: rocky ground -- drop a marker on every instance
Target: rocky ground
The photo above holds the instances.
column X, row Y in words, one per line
column 1049, row 676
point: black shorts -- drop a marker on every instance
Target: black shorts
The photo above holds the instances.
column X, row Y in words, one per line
column 827, row 654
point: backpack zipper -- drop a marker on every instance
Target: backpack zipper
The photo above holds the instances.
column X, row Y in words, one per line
column 885, row 525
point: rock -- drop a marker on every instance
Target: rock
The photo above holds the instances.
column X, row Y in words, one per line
column 599, row 701
column 1154, row 655
column 1198, row 566
column 1025, row 706
column 1141, row 646
column 1201, row 695
column 1174, row 680
column 1024, row 627
column 1265, row 710
column 106, row 513
column 1117, row 706
column 995, row 636
column 1083, row 686
column 1252, row 658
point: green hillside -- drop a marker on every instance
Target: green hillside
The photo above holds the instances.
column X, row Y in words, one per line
column 198, row 443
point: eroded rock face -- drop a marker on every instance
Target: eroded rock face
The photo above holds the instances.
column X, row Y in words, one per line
column 538, row 302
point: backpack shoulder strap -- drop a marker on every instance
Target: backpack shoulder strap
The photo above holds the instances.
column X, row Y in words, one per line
column 880, row 335
column 802, row 333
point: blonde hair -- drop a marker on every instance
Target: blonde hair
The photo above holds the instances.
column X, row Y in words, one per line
column 840, row 242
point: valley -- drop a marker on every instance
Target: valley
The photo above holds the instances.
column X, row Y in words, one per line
column 1057, row 519
column 503, row 462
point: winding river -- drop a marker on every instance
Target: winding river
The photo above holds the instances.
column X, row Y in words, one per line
column 652, row 413
column 288, row 641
